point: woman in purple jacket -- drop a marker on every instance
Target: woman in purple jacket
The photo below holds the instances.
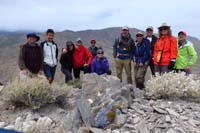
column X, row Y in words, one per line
column 100, row 64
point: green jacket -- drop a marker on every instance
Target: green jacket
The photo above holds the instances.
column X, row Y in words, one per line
column 187, row 55
column 93, row 51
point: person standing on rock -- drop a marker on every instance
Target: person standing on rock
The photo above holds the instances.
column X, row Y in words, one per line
column 165, row 50
column 82, row 59
column 152, row 38
column 187, row 55
column 50, row 50
column 141, row 57
column 93, row 48
column 66, row 60
column 31, row 57
column 122, row 50
column 100, row 64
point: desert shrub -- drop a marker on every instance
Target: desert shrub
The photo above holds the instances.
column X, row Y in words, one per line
column 175, row 85
column 34, row 92
column 76, row 83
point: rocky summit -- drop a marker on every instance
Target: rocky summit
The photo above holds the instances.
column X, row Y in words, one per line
column 105, row 105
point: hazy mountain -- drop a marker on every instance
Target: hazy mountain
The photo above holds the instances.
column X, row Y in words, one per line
column 10, row 41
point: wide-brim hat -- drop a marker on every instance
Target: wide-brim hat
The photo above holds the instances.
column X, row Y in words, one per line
column 164, row 25
column 33, row 35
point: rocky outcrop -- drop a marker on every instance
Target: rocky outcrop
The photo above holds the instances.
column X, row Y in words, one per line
column 103, row 105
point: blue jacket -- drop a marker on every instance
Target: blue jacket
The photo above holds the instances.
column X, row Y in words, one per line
column 142, row 52
column 100, row 66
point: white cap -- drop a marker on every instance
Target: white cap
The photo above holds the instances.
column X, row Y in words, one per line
column 125, row 28
column 78, row 40
column 139, row 33
column 149, row 27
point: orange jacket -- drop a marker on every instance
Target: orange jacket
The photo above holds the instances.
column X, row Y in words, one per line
column 81, row 54
column 169, row 51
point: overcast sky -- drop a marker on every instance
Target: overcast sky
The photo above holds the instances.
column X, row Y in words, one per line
column 96, row 14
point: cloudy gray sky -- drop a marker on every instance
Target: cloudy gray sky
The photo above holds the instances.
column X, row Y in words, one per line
column 96, row 14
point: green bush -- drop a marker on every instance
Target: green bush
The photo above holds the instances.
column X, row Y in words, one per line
column 76, row 83
column 34, row 92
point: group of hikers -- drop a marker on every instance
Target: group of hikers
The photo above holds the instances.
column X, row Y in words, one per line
column 162, row 55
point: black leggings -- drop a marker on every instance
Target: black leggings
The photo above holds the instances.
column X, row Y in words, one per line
column 77, row 71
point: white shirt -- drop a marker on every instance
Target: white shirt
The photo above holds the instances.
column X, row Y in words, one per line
column 50, row 54
column 150, row 39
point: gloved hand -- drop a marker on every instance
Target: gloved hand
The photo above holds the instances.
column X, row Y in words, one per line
column 171, row 64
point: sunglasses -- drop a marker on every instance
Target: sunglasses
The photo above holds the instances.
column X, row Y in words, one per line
column 149, row 30
column 139, row 35
column 162, row 29
column 99, row 53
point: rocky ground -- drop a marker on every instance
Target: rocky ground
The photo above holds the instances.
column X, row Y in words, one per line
column 105, row 105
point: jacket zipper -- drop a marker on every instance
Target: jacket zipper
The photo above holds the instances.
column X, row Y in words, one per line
column 52, row 54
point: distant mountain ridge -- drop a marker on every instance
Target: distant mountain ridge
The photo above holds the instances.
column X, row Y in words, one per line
column 10, row 41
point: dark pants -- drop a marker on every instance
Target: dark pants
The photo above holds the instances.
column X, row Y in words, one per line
column 152, row 68
column 68, row 74
column 161, row 69
column 77, row 71
column 140, row 72
column 49, row 71
column 187, row 72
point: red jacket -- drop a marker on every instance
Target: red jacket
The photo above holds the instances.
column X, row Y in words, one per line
column 169, row 51
column 81, row 54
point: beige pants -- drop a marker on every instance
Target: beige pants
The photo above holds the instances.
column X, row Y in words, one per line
column 124, row 64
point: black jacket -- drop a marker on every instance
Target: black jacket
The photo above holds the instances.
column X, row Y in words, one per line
column 66, row 60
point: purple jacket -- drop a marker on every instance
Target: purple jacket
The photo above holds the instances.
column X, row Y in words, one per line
column 100, row 66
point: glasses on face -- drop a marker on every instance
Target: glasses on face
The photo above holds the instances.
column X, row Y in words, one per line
column 163, row 29
column 124, row 30
column 139, row 35
column 99, row 53
column 149, row 30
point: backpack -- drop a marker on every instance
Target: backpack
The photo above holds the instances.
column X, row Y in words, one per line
column 120, row 41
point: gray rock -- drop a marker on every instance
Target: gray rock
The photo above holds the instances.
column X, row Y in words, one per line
column 172, row 112
column 129, row 126
column 2, row 124
column 171, row 131
column 136, row 120
column 83, row 130
column 120, row 119
column 138, row 93
column 73, row 120
column 125, row 92
column 1, row 88
column 159, row 110
column 85, row 111
column 96, row 130
column 10, row 127
column 167, row 118
column 184, row 118
column 142, row 127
